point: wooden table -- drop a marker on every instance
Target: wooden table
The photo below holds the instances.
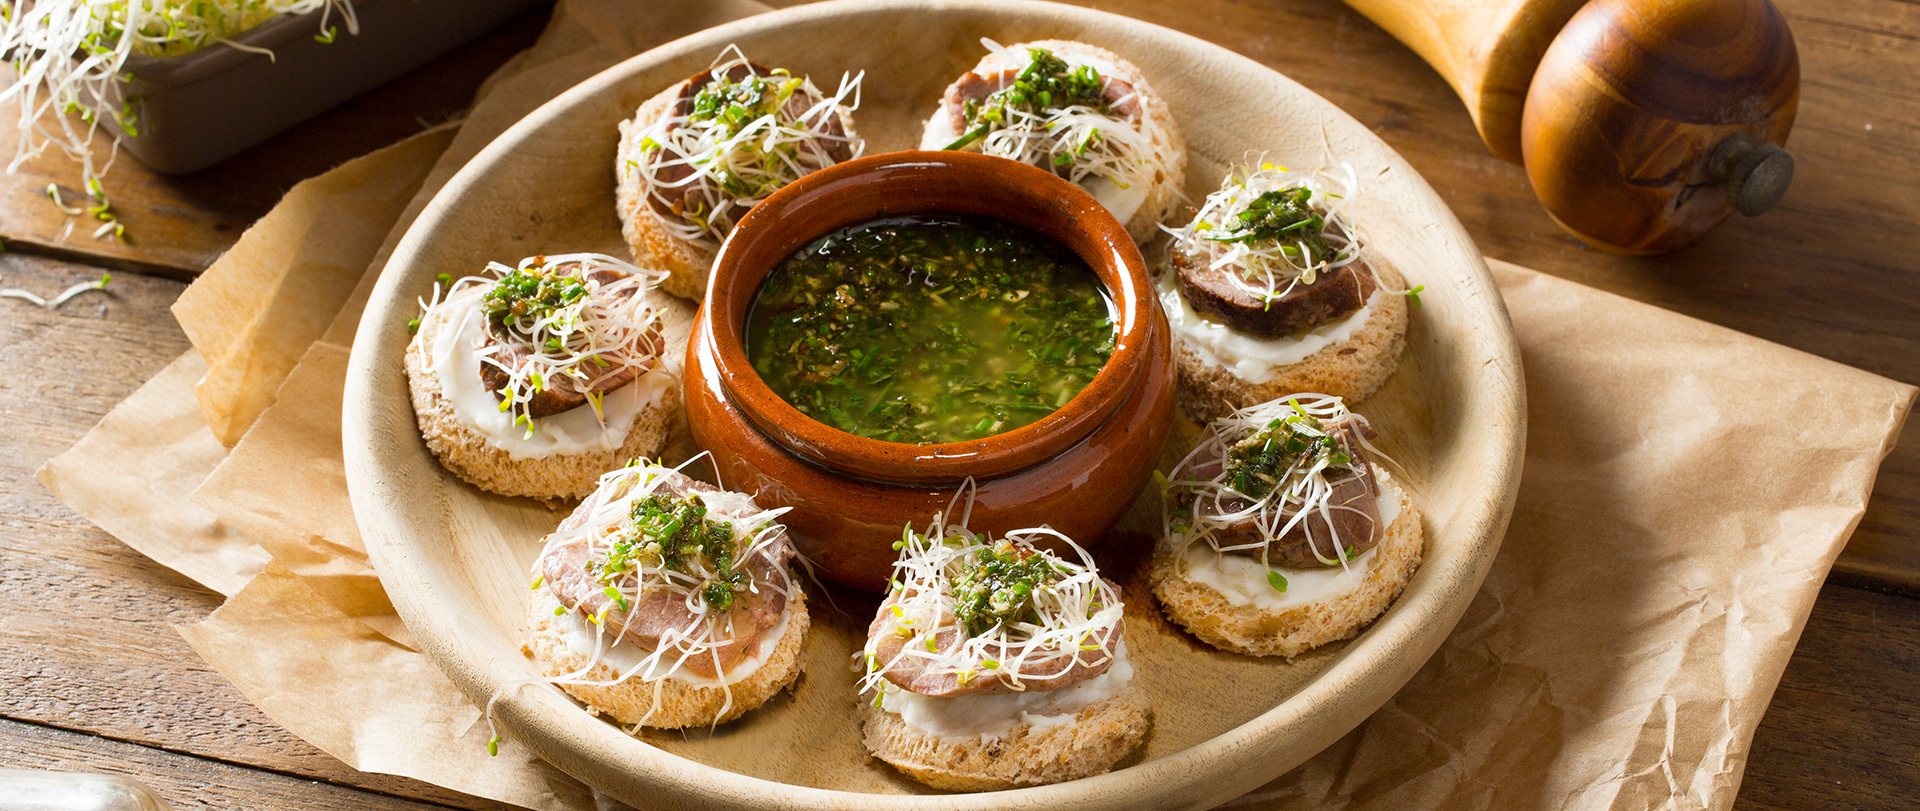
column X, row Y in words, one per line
column 92, row 676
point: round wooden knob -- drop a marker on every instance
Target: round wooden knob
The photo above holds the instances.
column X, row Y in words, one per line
column 1756, row 174
column 1650, row 121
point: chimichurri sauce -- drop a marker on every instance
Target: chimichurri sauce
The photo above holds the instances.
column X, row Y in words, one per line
column 930, row 329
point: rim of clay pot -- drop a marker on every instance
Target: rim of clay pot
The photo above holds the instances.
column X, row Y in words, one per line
column 907, row 183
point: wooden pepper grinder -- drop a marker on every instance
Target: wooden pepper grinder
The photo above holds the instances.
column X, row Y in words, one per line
column 1642, row 123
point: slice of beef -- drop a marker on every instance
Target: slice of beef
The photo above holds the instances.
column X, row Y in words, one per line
column 563, row 392
column 658, row 614
column 671, row 200
column 1122, row 100
column 1047, row 670
column 1354, row 509
column 1332, row 296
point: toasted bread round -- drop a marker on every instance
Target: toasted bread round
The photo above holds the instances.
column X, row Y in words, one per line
column 1352, row 369
column 1099, row 736
column 471, row 456
column 1292, row 630
column 655, row 244
column 1169, row 147
column 666, row 703
column 652, row 239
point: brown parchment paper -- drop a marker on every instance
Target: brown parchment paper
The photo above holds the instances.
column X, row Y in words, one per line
column 1686, row 489
column 132, row 473
column 257, row 309
column 298, row 519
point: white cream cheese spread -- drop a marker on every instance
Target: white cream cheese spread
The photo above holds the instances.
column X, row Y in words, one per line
column 1242, row 580
column 988, row 717
column 579, row 430
column 1253, row 358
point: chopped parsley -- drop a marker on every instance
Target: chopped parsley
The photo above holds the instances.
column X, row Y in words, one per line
column 525, row 296
column 730, row 107
column 930, row 329
column 673, row 532
column 1047, row 83
column 732, row 104
column 1255, row 465
column 996, row 586
column 1283, row 216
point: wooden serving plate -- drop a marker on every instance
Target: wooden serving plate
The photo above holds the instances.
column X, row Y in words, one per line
column 456, row 560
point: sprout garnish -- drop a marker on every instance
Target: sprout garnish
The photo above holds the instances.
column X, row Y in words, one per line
column 1273, row 228
column 571, row 324
column 1274, row 464
column 970, row 606
column 642, row 539
column 1056, row 115
column 33, row 298
column 741, row 141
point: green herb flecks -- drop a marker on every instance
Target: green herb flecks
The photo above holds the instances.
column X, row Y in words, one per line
column 1284, row 216
column 1047, row 83
column 731, row 106
column 996, row 587
column 1256, row 465
column 528, row 295
column 673, row 532
column 930, row 330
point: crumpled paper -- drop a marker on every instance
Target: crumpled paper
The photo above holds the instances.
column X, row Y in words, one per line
column 1686, row 489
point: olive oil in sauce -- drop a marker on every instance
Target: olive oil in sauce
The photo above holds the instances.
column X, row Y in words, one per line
column 930, row 329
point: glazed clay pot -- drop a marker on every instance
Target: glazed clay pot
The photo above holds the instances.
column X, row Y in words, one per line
column 1076, row 469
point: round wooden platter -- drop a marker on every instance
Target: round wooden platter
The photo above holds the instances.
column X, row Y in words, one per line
column 456, row 561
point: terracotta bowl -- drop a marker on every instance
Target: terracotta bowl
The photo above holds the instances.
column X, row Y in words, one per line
column 1076, row 469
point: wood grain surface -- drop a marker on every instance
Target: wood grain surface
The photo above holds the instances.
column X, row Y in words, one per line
column 92, row 676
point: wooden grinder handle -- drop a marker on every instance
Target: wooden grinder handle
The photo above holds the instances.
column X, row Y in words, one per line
column 1642, row 123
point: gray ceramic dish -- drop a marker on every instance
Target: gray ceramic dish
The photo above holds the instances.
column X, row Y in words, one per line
column 197, row 109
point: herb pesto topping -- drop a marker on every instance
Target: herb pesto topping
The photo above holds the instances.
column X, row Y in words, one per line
column 1282, row 217
column 673, row 532
column 996, row 586
column 1274, row 228
column 1256, row 466
column 928, row 330
column 733, row 106
column 746, row 132
column 526, row 296
column 1047, row 83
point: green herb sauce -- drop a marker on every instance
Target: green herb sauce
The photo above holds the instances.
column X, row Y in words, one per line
column 1283, row 216
column 1047, row 83
column 927, row 330
column 673, row 532
column 997, row 586
column 523, row 297
column 733, row 105
column 1255, row 465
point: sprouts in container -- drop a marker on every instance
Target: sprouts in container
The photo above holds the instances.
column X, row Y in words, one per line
column 1272, row 228
column 69, row 55
column 748, row 132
